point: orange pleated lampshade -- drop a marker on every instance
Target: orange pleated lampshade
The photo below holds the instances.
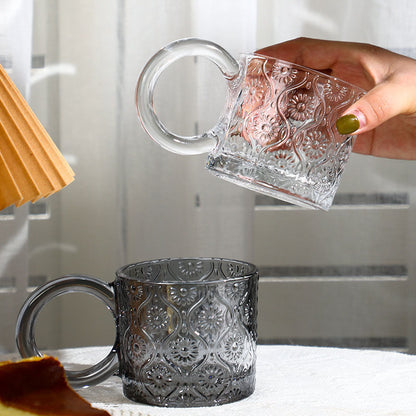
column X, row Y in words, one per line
column 31, row 166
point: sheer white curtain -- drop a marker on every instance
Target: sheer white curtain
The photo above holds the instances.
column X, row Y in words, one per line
column 390, row 25
column 15, row 56
column 191, row 212
column 132, row 200
column 143, row 199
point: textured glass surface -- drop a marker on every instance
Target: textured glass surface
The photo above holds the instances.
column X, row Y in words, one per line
column 281, row 138
column 277, row 134
column 187, row 330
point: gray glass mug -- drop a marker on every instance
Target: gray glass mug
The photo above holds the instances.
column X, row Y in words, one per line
column 186, row 329
column 276, row 134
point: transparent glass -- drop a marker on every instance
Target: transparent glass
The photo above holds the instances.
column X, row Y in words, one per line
column 277, row 133
column 186, row 329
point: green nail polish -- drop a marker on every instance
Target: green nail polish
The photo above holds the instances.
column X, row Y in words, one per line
column 347, row 124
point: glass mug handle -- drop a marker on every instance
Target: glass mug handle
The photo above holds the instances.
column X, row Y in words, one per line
column 185, row 145
column 25, row 337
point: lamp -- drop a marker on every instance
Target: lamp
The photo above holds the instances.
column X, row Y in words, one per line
column 31, row 166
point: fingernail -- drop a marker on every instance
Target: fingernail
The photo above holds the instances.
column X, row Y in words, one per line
column 347, row 124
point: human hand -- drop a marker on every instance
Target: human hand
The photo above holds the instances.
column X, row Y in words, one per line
column 385, row 118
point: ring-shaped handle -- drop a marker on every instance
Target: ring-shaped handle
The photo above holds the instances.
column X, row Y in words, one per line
column 25, row 337
column 185, row 145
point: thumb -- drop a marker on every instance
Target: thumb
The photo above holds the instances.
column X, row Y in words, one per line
column 381, row 103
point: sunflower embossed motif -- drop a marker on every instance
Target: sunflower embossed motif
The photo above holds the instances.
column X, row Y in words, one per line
column 159, row 380
column 264, row 129
column 136, row 349
column 183, row 351
column 301, row 106
column 233, row 269
column 135, row 291
column 314, row 144
column 156, row 321
column 298, row 106
column 335, row 92
column 212, row 379
column 285, row 159
column 254, row 94
column 284, row 74
column 236, row 292
column 233, row 347
column 189, row 270
column 183, row 296
column 146, row 272
column 210, row 320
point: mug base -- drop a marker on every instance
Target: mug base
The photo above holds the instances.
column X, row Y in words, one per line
column 267, row 182
column 185, row 396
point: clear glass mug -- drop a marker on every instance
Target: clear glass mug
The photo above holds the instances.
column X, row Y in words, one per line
column 186, row 329
column 277, row 132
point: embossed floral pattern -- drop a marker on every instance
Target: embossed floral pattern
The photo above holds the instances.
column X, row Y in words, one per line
column 335, row 92
column 136, row 348
column 265, row 129
column 209, row 320
column 193, row 343
column 135, row 291
column 234, row 270
column 183, row 296
column 284, row 73
column 234, row 347
column 315, row 145
column 235, row 291
column 254, row 93
column 211, row 379
column 145, row 272
column 190, row 269
column 301, row 106
column 284, row 159
column 157, row 319
column 255, row 67
column 183, row 351
column 160, row 379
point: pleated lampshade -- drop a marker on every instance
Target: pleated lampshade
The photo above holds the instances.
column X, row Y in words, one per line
column 31, row 166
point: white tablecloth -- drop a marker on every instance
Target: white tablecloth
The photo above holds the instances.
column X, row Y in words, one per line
column 291, row 380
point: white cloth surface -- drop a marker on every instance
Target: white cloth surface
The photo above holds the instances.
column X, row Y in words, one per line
column 291, row 381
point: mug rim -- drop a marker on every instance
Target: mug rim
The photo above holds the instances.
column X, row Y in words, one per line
column 252, row 272
column 305, row 68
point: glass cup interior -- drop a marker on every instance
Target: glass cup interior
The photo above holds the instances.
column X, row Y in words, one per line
column 187, row 270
